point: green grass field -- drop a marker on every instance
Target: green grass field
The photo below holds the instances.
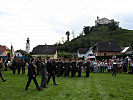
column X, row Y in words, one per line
column 99, row 86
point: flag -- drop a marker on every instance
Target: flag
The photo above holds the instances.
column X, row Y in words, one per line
column 12, row 52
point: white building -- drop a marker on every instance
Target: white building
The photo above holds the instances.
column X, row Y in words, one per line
column 103, row 21
column 84, row 52
column 126, row 50
column 20, row 53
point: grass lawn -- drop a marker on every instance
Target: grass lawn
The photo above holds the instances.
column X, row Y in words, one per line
column 101, row 86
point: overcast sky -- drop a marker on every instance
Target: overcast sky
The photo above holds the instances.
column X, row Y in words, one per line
column 46, row 21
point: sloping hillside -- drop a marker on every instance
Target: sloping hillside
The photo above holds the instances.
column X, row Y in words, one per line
column 102, row 33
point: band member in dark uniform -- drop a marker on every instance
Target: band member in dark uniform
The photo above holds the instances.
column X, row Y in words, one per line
column 59, row 65
column 73, row 68
column 66, row 68
column 79, row 67
column 43, row 71
column 14, row 66
column 51, row 72
column 32, row 74
column 87, row 65
column 19, row 65
column 23, row 66
column 54, row 63
column 1, row 65
column 6, row 62
column 38, row 66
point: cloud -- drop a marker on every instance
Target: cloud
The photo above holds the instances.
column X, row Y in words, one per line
column 2, row 13
column 126, row 20
column 46, row 21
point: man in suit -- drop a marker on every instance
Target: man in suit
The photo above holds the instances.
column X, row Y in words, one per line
column 1, row 65
column 32, row 74
column 51, row 72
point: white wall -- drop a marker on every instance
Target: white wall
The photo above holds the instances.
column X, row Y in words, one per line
column 102, row 21
column 81, row 55
column 18, row 54
column 85, row 55
column 27, row 47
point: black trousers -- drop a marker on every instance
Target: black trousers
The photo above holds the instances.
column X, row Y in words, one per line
column 14, row 69
column 43, row 81
column 49, row 77
column 73, row 73
column 38, row 70
column 1, row 76
column 23, row 70
column 114, row 72
column 87, row 73
column 65, row 74
column 29, row 81
column 19, row 68
column 79, row 73
column 6, row 67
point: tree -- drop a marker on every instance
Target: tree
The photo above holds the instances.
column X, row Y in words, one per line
column 28, row 55
column 113, row 26
column 65, row 55
column 86, row 30
column 68, row 34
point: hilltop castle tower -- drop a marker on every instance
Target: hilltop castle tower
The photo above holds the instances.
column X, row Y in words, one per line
column 28, row 45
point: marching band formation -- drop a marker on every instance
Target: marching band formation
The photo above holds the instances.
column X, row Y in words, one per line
column 66, row 67
column 60, row 67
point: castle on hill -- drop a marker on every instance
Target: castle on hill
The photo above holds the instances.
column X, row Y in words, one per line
column 103, row 21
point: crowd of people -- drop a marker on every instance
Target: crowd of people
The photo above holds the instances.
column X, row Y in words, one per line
column 50, row 67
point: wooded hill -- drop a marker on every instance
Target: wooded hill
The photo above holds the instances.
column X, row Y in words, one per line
column 123, row 37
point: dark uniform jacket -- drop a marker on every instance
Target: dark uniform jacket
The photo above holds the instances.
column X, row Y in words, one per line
column 0, row 65
column 14, row 63
column 50, row 68
column 31, row 70
column 43, row 68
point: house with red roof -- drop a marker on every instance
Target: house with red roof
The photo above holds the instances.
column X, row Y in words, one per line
column 4, row 50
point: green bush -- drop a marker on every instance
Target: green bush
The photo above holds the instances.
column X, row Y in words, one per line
column 65, row 55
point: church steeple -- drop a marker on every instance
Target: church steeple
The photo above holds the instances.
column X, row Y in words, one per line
column 28, row 40
column 28, row 45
